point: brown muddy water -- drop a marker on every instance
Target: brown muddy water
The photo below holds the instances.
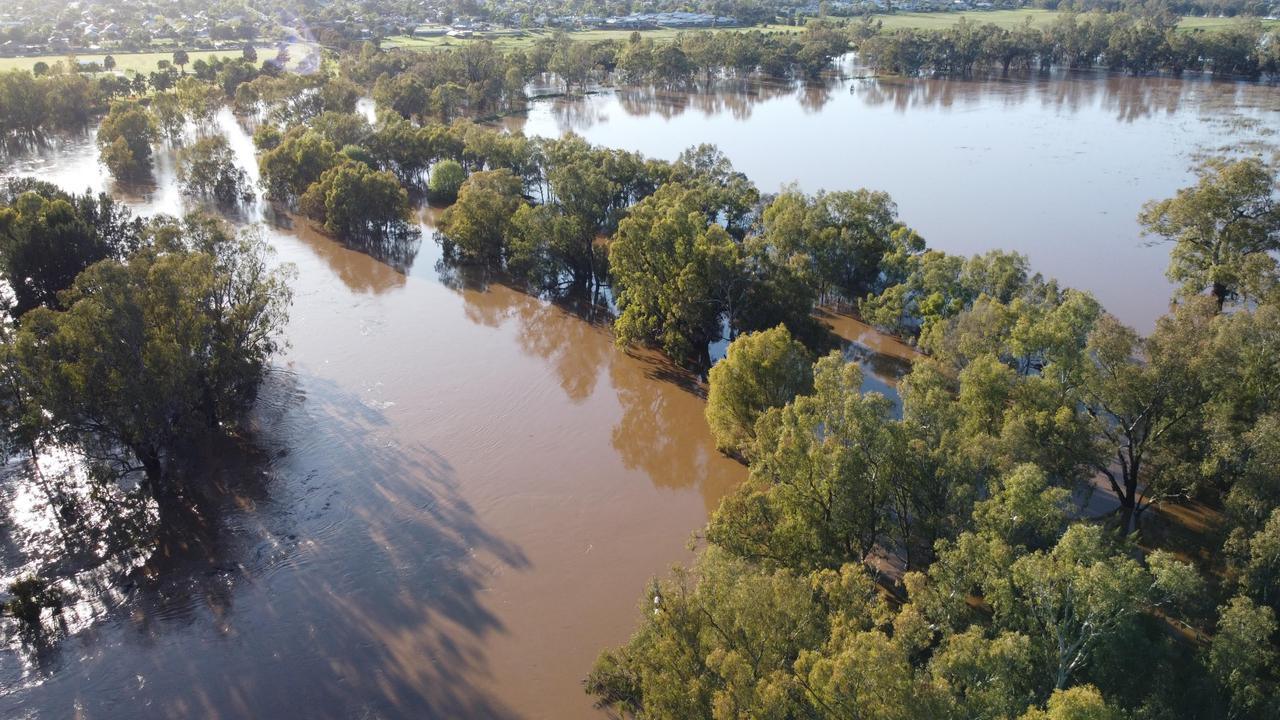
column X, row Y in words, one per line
column 454, row 493
column 1055, row 166
column 456, row 499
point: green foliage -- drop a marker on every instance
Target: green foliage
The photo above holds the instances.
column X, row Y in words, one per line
column 341, row 129
column 1244, row 660
column 47, row 238
column 151, row 349
column 355, row 202
column 199, row 100
column 823, row 470
column 845, row 238
column 1224, row 230
column 671, row 269
column 447, row 177
column 266, row 137
column 760, row 371
column 1070, row 598
column 1142, row 394
column 300, row 159
column 475, row 228
column 1260, row 570
column 1132, row 39
column 542, row 244
column 725, row 195
column 1077, row 703
column 33, row 105
column 1024, row 510
column 934, row 286
column 125, row 138
column 207, row 169
column 988, row 675
column 725, row 645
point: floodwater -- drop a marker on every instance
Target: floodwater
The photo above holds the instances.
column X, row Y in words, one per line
column 453, row 500
column 1055, row 166
column 454, row 493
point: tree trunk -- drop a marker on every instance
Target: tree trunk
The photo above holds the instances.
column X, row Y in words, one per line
column 1129, row 500
column 153, row 468
column 1220, row 294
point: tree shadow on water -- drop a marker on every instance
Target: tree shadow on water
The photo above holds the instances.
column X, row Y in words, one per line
column 570, row 330
column 372, row 265
column 329, row 570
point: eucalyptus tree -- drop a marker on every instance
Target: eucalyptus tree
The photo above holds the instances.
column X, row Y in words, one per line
column 1224, row 230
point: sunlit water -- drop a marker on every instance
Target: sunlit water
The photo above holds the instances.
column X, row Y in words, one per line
column 453, row 494
column 1054, row 166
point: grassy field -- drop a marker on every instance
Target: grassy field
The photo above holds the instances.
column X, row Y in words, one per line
column 937, row 21
column 1014, row 18
column 1217, row 23
column 922, row 21
column 525, row 38
column 147, row 62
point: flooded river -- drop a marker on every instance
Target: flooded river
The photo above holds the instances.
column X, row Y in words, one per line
column 455, row 493
column 1054, row 166
column 458, row 496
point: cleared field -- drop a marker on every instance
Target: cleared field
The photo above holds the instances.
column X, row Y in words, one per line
column 524, row 38
column 148, row 61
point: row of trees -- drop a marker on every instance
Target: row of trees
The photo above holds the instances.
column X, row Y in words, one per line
column 1117, row 41
column 478, row 80
column 1003, row 601
column 691, row 250
column 33, row 105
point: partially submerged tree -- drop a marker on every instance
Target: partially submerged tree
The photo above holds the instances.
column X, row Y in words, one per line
column 298, row 161
column 671, row 266
column 355, row 202
column 475, row 228
column 1224, row 230
column 47, row 238
column 171, row 341
column 125, row 138
column 207, row 169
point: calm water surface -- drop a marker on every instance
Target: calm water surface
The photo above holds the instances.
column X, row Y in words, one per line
column 454, row 492
column 1055, row 166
